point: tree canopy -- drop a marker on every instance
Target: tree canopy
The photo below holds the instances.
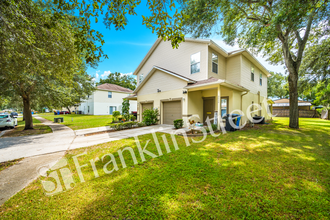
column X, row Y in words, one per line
column 126, row 81
column 279, row 29
column 38, row 53
column 277, row 86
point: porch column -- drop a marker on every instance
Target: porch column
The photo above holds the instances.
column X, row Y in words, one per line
column 219, row 106
column 185, row 109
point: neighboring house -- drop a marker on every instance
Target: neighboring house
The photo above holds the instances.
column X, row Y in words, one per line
column 199, row 78
column 285, row 104
column 106, row 99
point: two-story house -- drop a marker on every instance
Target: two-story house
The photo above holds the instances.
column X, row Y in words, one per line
column 106, row 99
column 199, row 78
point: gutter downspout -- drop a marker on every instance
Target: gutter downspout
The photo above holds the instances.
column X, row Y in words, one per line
column 242, row 103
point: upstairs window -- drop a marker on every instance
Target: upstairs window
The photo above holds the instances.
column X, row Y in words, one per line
column 252, row 73
column 260, row 79
column 140, row 78
column 214, row 63
column 109, row 95
column 195, row 63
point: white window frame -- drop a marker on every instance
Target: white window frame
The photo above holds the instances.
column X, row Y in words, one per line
column 194, row 63
column 216, row 63
column 114, row 109
column 140, row 78
column 252, row 73
column 110, row 94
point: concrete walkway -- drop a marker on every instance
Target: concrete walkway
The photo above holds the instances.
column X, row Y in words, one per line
column 85, row 141
column 26, row 146
column 17, row 177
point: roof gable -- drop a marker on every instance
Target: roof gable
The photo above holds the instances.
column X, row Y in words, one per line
column 113, row 88
column 152, row 71
column 214, row 46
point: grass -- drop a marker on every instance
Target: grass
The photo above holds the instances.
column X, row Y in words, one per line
column 39, row 128
column 76, row 122
column 273, row 172
column 4, row 165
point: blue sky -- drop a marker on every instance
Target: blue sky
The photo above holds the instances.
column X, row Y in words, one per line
column 127, row 48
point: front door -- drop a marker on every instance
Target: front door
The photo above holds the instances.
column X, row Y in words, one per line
column 208, row 108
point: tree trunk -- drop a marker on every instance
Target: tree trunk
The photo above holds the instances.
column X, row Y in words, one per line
column 68, row 109
column 27, row 113
column 293, row 95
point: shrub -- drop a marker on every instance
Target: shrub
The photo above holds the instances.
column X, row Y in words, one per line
column 125, row 125
column 214, row 127
column 150, row 116
column 125, row 110
column 178, row 123
column 319, row 111
column 116, row 114
column 141, row 124
column 133, row 118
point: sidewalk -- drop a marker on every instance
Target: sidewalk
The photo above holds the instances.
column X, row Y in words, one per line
column 85, row 141
column 17, row 177
column 26, row 146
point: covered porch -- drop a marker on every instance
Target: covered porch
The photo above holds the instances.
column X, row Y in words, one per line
column 213, row 99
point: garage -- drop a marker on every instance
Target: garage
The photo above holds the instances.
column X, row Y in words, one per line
column 147, row 106
column 172, row 111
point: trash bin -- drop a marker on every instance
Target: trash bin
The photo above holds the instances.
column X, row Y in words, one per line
column 234, row 119
column 258, row 120
column 58, row 120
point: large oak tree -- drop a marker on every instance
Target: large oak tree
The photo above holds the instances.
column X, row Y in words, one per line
column 279, row 29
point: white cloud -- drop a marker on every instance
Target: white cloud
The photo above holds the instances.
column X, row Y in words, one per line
column 97, row 74
column 105, row 74
column 131, row 73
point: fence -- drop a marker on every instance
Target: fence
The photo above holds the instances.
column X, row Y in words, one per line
column 302, row 113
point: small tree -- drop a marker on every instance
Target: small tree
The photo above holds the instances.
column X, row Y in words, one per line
column 150, row 116
column 125, row 109
column 116, row 114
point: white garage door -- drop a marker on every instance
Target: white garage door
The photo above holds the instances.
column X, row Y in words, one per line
column 172, row 111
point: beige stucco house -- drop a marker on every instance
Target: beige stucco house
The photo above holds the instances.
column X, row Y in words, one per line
column 199, row 79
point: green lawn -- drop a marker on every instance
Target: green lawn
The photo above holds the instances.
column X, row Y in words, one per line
column 77, row 122
column 261, row 173
column 39, row 128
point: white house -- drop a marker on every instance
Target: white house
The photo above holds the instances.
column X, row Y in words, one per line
column 106, row 99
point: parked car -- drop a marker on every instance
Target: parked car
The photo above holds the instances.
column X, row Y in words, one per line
column 64, row 112
column 14, row 114
column 7, row 121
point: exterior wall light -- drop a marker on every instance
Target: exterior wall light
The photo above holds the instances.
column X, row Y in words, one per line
column 158, row 90
column 185, row 91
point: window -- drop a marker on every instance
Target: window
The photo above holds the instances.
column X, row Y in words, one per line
column 140, row 78
column 224, row 106
column 260, row 79
column 195, row 63
column 88, row 109
column 112, row 109
column 110, row 95
column 252, row 73
column 214, row 63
